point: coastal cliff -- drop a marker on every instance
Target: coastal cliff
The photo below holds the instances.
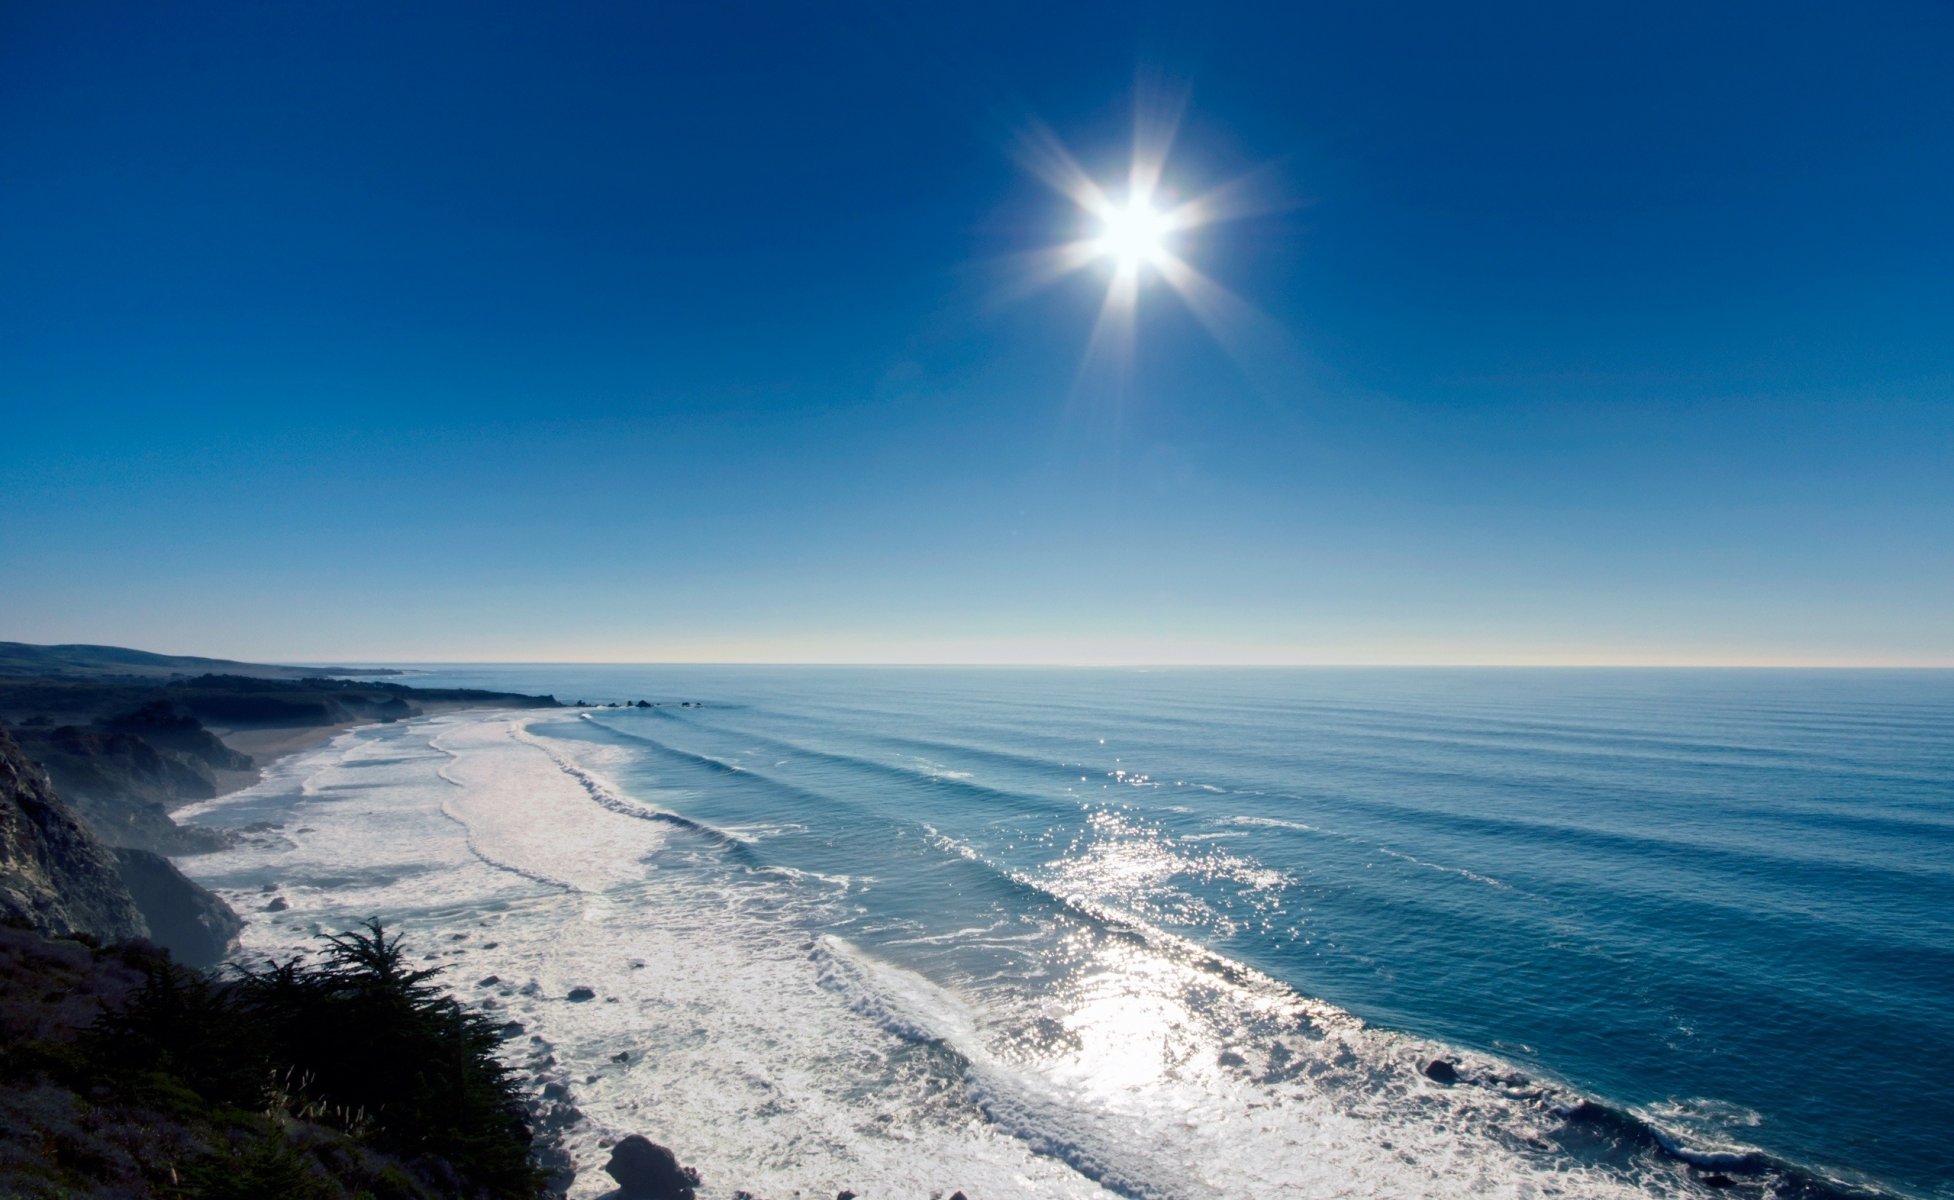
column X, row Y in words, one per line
column 106, row 742
column 61, row 879
column 56, row 876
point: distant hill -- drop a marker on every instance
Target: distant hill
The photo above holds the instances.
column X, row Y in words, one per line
column 20, row 660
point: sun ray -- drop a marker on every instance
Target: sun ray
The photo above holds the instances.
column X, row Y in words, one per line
column 1026, row 274
column 1157, row 114
column 1039, row 151
column 1255, row 341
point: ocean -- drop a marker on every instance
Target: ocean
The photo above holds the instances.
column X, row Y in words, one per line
column 1174, row 933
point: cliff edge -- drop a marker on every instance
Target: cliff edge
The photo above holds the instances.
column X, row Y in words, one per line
column 55, row 875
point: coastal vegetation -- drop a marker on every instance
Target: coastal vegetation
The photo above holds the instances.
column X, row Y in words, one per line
column 345, row 1073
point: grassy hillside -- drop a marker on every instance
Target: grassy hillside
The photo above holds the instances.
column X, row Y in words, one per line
column 19, row 659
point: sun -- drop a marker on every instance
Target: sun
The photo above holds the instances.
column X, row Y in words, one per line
column 1134, row 234
column 1139, row 232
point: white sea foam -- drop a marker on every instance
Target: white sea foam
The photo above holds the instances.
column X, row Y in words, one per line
column 1475, row 876
column 785, row 1060
column 1270, row 823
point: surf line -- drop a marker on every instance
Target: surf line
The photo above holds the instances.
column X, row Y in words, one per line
column 609, row 799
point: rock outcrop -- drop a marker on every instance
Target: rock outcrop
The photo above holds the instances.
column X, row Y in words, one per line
column 122, row 786
column 645, row 1170
column 184, row 918
column 55, row 875
column 59, row 878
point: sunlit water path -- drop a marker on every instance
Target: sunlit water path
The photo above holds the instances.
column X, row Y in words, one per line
column 1180, row 933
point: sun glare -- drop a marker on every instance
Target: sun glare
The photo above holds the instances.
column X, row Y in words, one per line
column 1136, row 230
column 1134, row 235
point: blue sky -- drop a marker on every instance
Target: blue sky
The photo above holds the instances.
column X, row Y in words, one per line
column 1595, row 333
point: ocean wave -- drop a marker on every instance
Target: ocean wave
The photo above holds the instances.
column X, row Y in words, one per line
column 612, row 800
column 1488, row 880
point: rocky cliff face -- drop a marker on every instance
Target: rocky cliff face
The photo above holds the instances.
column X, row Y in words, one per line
column 194, row 925
column 58, row 877
column 54, row 874
column 122, row 784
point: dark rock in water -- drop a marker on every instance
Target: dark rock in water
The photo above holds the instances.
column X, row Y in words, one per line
column 1719, row 1181
column 958, row 1196
column 278, row 904
column 269, row 888
column 557, row 1117
column 1228, row 1058
column 489, row 981
column 844, row 1196
column 555, row 1091
column 188, row 921
column 622, row 1056
column 645, row 1170
column 1440, row 1071
column 490, row 945
column 580, row 994
column 532, row 988
column 513, row 1029
column 642, row 704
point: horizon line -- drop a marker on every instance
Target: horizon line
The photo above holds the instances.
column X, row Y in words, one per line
column 1138, row 664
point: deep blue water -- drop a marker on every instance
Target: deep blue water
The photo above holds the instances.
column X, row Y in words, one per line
column 1719, row 900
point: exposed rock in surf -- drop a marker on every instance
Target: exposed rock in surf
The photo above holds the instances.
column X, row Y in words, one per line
column 513, row 1029
column 489, row 981
column 278, row 904
column 645, row 1170
column 1440, row 1071
column 580, row 994
column 622, row 1056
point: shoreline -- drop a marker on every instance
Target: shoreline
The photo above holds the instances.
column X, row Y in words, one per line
column 533, row 974
column 270, row 745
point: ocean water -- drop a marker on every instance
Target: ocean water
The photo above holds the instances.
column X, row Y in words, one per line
column 1177, row 933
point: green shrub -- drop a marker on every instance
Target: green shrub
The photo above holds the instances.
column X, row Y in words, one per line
column 386, row 1068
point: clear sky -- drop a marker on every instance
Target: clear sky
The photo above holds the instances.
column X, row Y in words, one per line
column 1564, row 333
